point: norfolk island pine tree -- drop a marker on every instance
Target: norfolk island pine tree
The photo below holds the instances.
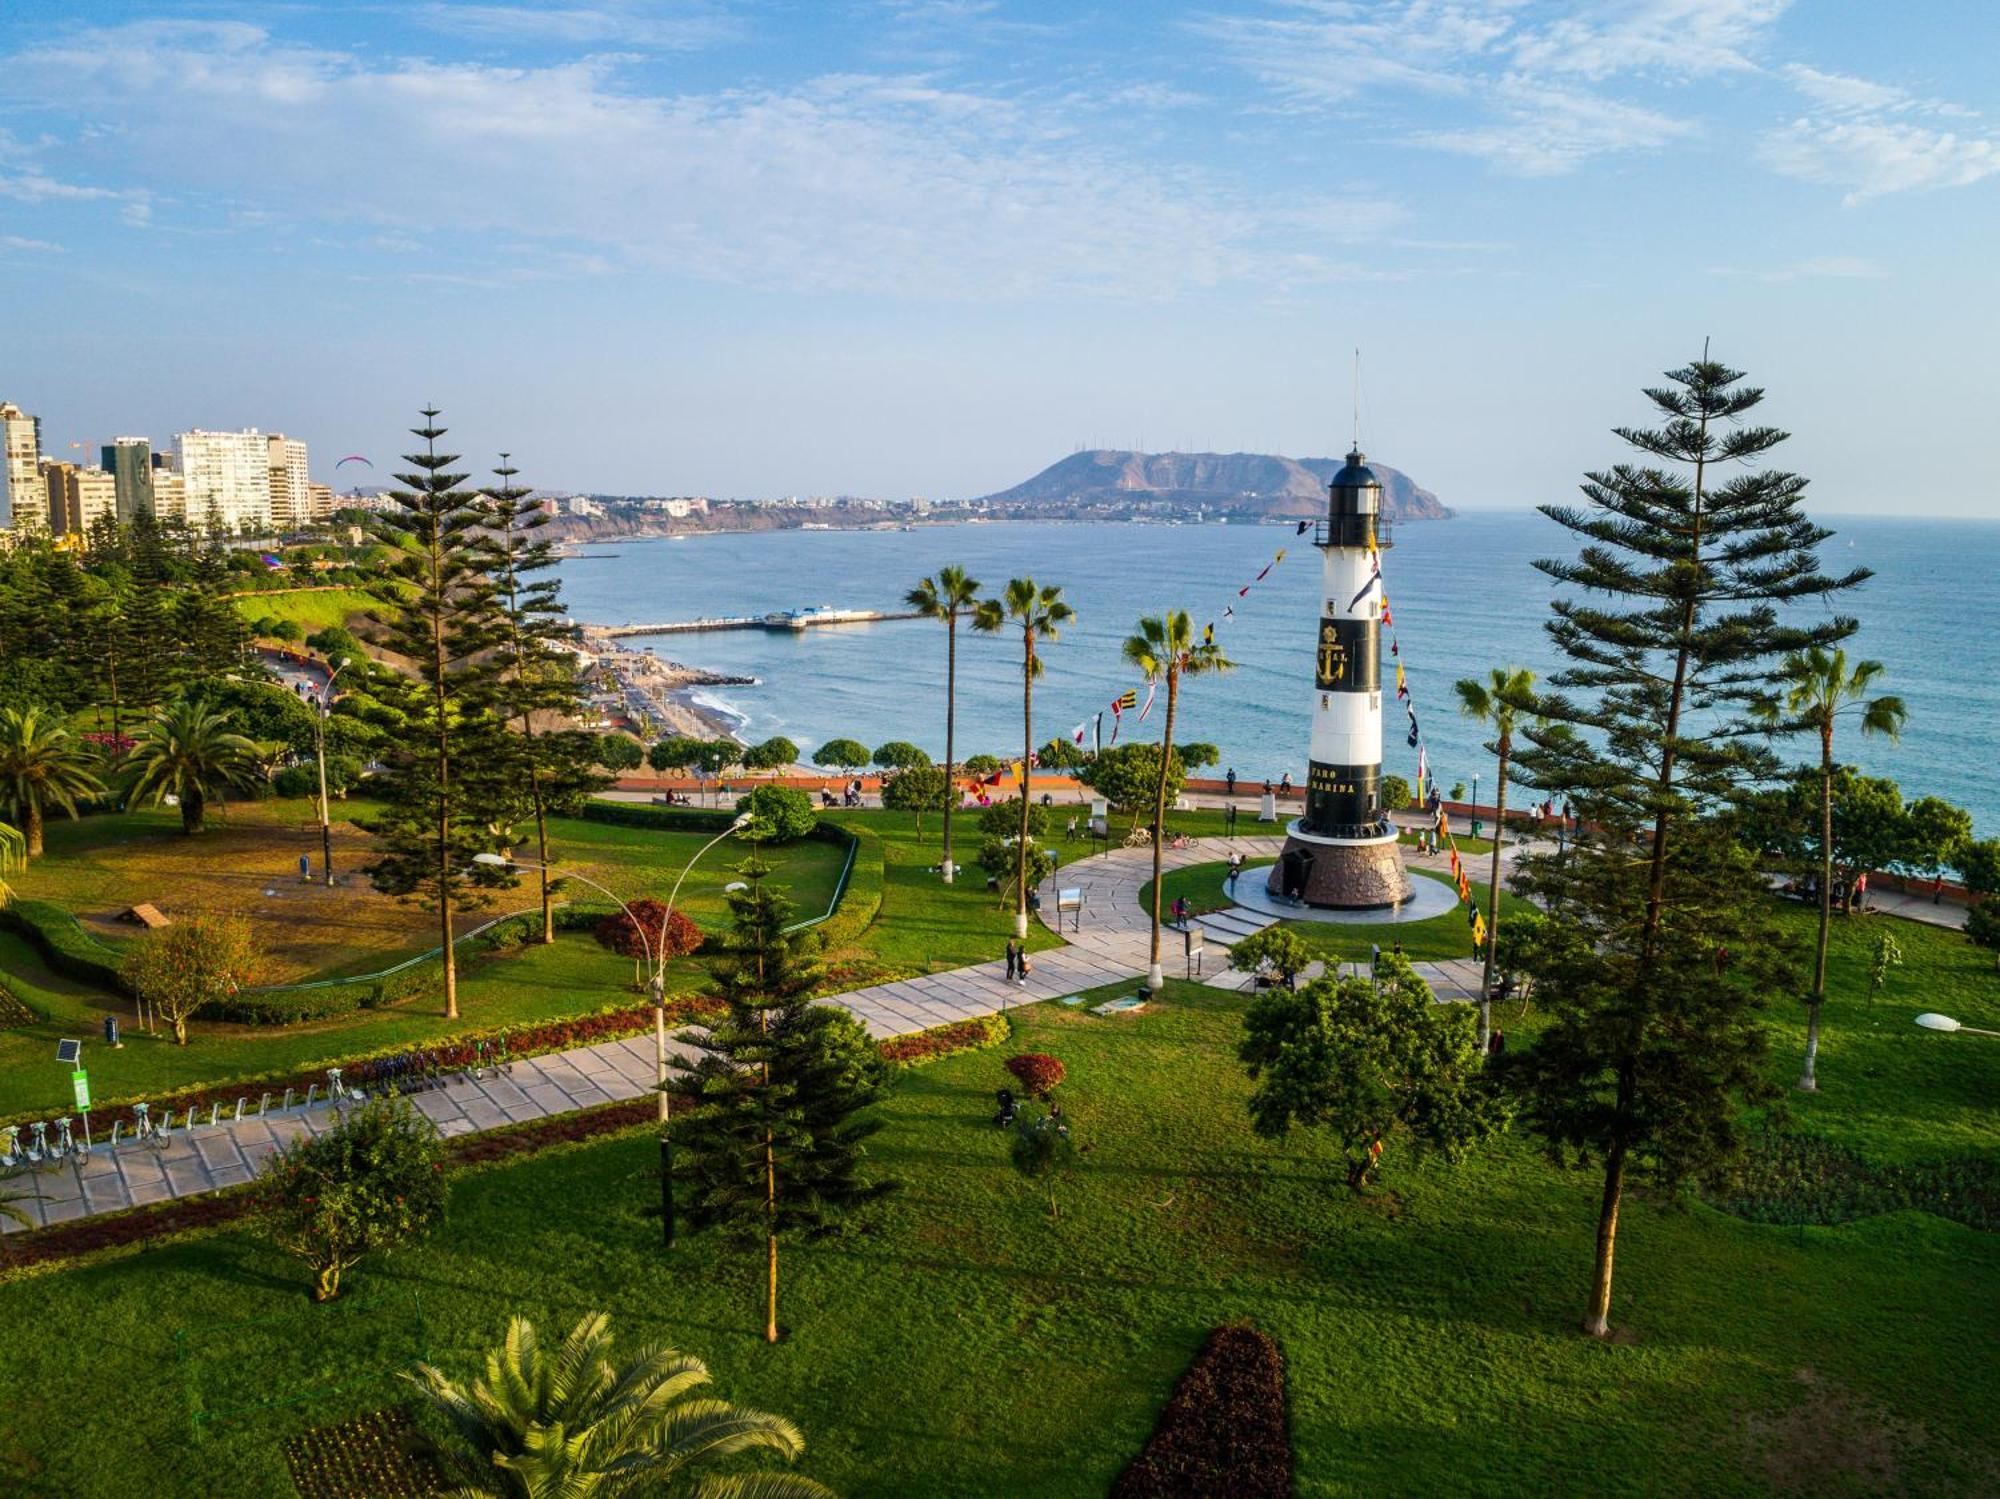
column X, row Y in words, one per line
column 1653, row 1044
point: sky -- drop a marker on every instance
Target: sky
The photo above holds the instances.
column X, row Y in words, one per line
column 893, row 247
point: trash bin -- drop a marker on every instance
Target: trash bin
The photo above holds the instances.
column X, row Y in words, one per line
column 111, row 1031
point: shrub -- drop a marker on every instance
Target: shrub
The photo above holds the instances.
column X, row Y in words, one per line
column 782, row 813
column 996, row 857
column 619, row 934
column 1276, row 948
column 183, row 968
column 1038, row 1072
column 1003, row 819
column 620, row 752
column 842, row 754
column 1042, row 1151
column 774, row 753
column 342, row 771
column 1395, row 792
column 373, row 1182
column 980, row 765
column 1223, row 1432
column 900, row 754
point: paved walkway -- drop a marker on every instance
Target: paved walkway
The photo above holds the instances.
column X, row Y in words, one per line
column 1109, row 944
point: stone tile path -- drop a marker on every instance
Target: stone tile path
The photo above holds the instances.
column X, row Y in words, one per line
column 1110, row 943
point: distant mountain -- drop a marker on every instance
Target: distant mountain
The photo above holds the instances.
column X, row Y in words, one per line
column 1257, row 484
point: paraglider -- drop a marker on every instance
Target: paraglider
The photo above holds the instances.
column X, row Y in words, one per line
column 351, row 458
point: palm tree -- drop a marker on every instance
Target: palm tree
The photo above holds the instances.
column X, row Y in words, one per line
column 1041, row 614
column 11, row 858
column 1166, row 647
column 1817, row 689
column 567, row 1423
column 188, row 751
column 1497, row 702
column 947, row 596
column 42, row 765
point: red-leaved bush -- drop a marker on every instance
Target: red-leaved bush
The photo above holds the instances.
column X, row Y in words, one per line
column 618, row 933
column 1037, row 1071
column 1223, row 1432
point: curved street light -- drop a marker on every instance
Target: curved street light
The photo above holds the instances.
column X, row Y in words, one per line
column 1931, row 1021
column 656, row 963
column 324, row 710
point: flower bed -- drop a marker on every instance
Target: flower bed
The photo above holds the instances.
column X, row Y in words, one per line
column 1223, row 1432
column 945, row 1040
column 1799, row 1179
column 376, row 1456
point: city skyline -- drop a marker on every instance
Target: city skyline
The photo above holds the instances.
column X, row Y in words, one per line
column 909, row 248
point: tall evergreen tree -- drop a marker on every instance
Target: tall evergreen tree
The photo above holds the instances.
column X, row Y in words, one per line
column 1670, row 619
column 776, row 1144
column 532, row 679
column 441, row 784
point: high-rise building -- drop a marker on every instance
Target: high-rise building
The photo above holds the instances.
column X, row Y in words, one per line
column 24, row 501
column 129, row 461
column 169, row 492
column 291, row 489
column 228, row 477
column 321, row 498
column 77, row 498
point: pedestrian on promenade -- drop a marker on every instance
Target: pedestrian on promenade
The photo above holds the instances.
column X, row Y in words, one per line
column 1013, row 959
column 1285, row 785
column 1229, row 780
column 1229, row 820
column 1235, row 868
column 1021, row 965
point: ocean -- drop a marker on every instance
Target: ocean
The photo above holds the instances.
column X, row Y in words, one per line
column 1463, row 592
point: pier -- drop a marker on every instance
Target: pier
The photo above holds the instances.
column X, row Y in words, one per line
column 795, row 619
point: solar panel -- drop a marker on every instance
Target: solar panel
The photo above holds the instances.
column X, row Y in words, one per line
column 69, row 1052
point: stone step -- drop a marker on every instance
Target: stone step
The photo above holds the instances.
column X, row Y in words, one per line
column 1235, row 923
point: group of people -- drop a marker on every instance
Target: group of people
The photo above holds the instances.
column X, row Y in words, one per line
column 1017, row 961
column 1283, row 786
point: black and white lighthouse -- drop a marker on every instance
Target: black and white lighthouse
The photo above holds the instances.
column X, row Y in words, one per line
column 1342, row 852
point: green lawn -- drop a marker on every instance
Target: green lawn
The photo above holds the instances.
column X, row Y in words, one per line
column 310, row 609
column 969, row 1345
column 91, row 866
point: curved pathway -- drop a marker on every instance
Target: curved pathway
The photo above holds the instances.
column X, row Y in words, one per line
column 1110, row 944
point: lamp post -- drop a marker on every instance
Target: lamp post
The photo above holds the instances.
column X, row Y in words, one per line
column 1932, row 1021
column 656, row 963
column 325, row 711
column 1475, row 804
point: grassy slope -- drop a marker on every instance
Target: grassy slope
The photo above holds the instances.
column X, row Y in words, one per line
column 313, row 609
column 574, row 976
column 971, row 1346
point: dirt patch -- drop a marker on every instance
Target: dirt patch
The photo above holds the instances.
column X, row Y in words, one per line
column 1831, row 1433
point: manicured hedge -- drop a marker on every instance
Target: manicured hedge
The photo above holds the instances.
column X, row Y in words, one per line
column 1223, row 1432
column 860, row 900
column 64, row 945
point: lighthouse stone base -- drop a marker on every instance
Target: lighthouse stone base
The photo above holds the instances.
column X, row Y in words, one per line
column 1341, row 873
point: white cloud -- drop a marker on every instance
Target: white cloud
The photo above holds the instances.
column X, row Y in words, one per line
column 1866, row 137
column 1509, row 67
column 670, row 27
column 24, row 245
column 1681, row 38
column 1874, row 157
column 1544, row 131
column 1817, row 268
column 849, row 182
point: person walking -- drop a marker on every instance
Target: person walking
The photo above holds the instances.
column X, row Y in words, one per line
column 1013, row 959
column 1235, row 869
column 1285, row 785
column 1229, row 780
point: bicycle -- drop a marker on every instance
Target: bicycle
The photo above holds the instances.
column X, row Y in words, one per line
column 146, row 1130
column 66, row 1144
column 10, row 1146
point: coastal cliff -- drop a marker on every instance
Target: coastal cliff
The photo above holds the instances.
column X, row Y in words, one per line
column 1246, row 484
